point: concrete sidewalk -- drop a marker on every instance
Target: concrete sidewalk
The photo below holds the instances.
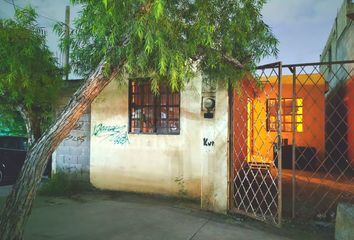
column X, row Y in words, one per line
column 129, row 216
column 107, row 219
column 5, row 190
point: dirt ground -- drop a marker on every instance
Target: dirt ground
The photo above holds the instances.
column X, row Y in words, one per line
column 106, row 215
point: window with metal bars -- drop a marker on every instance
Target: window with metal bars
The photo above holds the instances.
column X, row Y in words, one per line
column 286, row 114
column 150, row 113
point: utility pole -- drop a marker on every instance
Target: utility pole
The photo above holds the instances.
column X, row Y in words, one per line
column 67, row 36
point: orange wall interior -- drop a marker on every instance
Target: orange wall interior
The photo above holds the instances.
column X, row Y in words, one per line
column 349, row 102
column 311, row 88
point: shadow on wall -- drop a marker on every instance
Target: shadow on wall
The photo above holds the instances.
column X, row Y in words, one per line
column 340, row 128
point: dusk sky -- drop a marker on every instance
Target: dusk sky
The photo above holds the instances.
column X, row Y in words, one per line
column 301, row 26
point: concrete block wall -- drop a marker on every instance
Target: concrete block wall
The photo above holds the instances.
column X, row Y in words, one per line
column 339, row 47
column 73, row 154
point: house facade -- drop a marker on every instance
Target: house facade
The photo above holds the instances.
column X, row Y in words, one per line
column 160, row 144
column 167, row 144
column 222, row 148
column 171, row 144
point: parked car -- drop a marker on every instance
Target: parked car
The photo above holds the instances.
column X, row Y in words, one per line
column 13, row 152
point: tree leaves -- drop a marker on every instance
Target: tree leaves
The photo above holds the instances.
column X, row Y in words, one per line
column 29, row 75
column 11, row 123
column 171, row 40
column 105, row 2
column 158, row 8
column 149, row 43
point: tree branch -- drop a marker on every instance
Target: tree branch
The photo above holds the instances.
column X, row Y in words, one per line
column 28, row 123
column 226, row 57
column 233, row 61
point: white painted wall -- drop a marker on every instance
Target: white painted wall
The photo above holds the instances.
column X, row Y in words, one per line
column 164, row 164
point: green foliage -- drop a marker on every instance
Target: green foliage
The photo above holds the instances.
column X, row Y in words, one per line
column 170, row 40
column 64, row 184
column 29, row 75
column 11, row 123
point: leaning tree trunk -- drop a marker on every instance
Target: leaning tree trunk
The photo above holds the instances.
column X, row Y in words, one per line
column 17, row 208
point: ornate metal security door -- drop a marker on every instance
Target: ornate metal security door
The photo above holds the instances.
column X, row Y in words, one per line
column 256, row 145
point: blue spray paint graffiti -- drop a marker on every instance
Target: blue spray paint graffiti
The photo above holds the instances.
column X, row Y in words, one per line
column 115, row 134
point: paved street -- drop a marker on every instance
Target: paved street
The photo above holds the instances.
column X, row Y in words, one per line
column 5, row 190
column 130, row 216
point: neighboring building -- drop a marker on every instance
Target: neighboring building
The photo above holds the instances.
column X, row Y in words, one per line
column 340, row 97
column 340, row 44
column 256, row 125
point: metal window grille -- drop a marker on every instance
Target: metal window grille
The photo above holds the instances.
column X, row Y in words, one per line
column 286, row 116
column 150, row 113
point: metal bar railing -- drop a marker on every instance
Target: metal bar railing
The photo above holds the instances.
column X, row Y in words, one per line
column 274, row 65
column 293, row 154
column 279, row 152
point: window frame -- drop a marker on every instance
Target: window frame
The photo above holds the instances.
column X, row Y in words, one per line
column 283, row 122
column 156, row 106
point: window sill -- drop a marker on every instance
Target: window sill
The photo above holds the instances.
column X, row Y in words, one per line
column 164, row 134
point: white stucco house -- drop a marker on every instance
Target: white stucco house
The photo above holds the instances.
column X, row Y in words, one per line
column 174, row 144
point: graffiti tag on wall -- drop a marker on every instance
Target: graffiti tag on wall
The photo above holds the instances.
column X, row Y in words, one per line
column 115, row 134
column 79, row 139
column 78, row 126
column 74, row 137
column 208, row 143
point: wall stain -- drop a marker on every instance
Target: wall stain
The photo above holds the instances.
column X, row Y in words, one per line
column 182, row 191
